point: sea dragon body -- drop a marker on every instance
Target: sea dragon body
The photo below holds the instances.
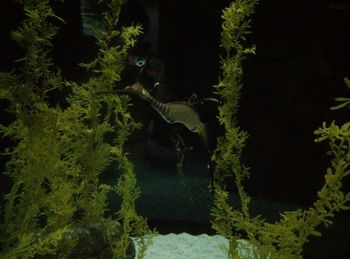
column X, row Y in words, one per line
column 173, row 112
column 176, row 112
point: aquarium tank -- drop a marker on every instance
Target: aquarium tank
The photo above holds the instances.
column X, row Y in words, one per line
column 174, row 129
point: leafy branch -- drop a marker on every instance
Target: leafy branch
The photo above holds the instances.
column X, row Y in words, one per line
column 286, row 237
column 60, row 153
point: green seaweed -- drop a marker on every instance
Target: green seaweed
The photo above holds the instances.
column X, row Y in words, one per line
column 60, row 152
column 286, row 237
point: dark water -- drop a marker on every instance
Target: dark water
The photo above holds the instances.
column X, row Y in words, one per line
column 302, row 56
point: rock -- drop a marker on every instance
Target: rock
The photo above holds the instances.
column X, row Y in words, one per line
column 93, row 241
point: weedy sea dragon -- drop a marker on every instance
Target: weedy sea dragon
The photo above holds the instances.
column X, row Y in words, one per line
column 177, row 112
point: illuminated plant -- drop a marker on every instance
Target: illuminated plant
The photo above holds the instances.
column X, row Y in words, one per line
column 286, row 237
column 59, row 153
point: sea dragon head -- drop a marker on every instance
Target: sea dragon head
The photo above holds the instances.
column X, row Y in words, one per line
column 137, row 89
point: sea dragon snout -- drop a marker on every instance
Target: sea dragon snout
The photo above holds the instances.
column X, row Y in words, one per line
column 138, row 90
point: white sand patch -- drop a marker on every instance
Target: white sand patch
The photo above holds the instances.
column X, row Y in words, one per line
column 186, row 246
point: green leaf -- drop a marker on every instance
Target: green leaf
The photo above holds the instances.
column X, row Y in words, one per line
column 340, row 106
column 347, row 82
column 315, row 233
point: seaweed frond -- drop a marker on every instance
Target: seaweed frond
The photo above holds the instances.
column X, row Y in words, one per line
column 286, row 237
column 59, row 153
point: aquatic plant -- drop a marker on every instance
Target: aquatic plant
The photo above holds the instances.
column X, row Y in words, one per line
column 286, row 237
column 59, row 153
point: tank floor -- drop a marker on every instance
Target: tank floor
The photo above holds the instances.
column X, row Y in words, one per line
column 172, row 207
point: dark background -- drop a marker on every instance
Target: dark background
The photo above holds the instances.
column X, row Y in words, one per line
column 302, row 56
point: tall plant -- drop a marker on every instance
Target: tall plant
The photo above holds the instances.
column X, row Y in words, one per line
column 60, row 152
column 286, row 237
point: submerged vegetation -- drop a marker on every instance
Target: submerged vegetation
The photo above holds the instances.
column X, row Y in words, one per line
column 286, row 237
column 60, row 152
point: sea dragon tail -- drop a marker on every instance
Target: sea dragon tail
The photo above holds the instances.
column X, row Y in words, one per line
column 203, row 136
